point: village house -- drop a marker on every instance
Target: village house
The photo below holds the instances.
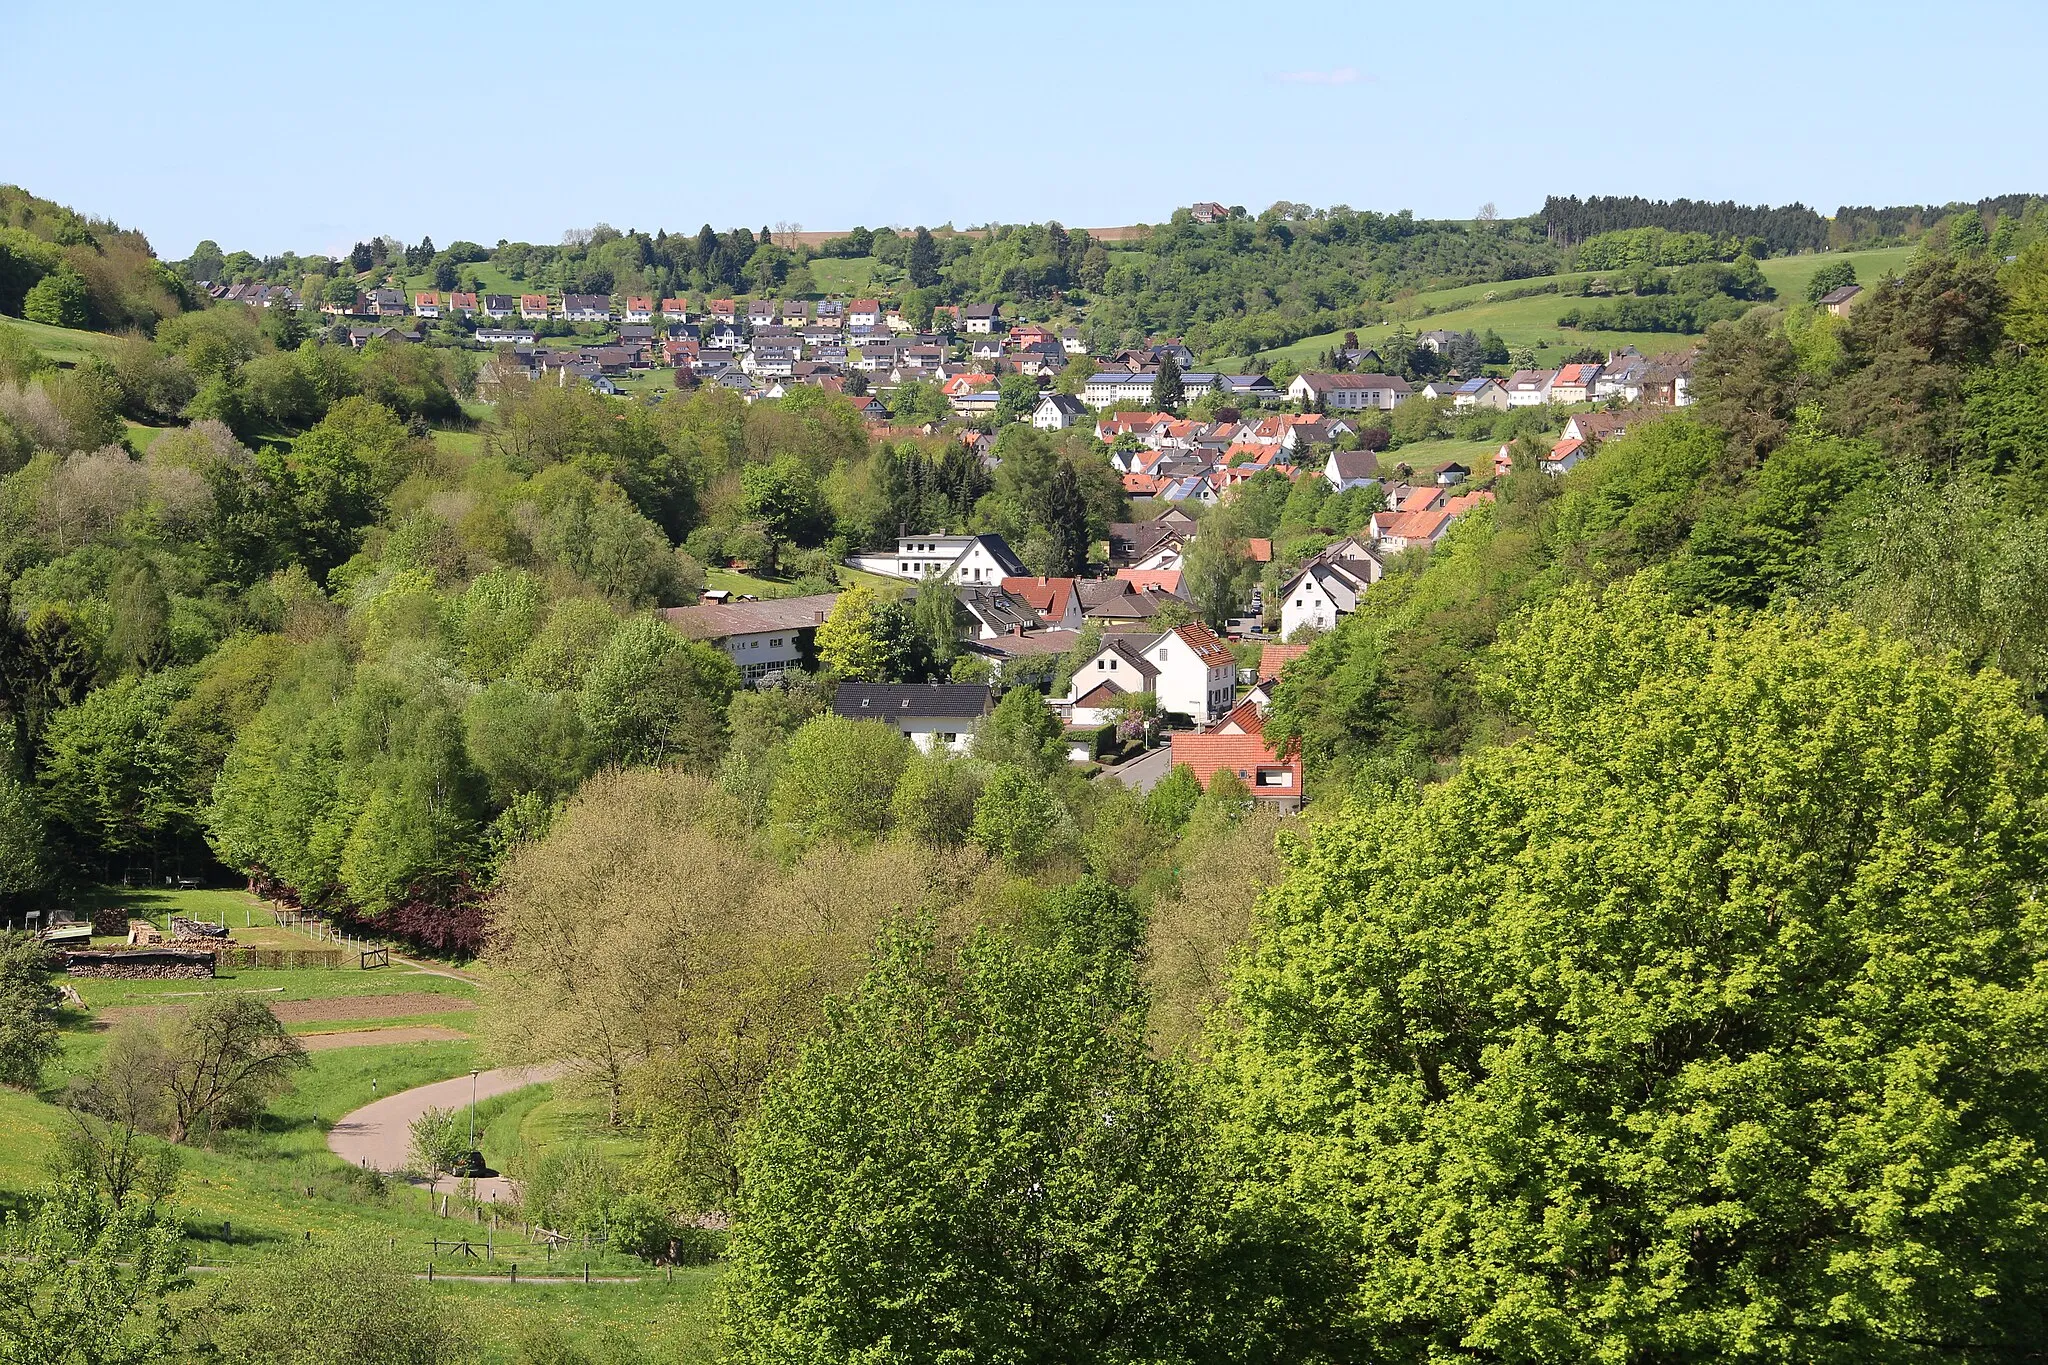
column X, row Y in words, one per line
column 533, row 307
column 639, row 308
column 1574, row 384
column 1155, row 544
column 1483, row 392
column 1118, row 671
column 427, row 304
column 1348, row 469
column 675, row 310
column 1057, row 601
column 960, row 560
column 1437, row 342
column 504, row 336
column 981, row 317
column 933, row 716
column 1208, row 211
column 764, row 639
column 1237, row 744
column 1838, row 302
column 1320, row 594
column 462, row 305
column 1189, row 669
column 1669, row 381
column 1529, row 388
column 860, row 313
column 1057, row 412
column 1348, row 392
column 1072, row 342
column 387, row 303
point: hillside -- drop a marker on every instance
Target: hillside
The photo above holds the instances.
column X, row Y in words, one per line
column 1530, row 320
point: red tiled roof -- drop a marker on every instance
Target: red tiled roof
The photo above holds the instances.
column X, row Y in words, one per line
column 1144, row 485
column 864, row 306
column 1261, row 550
column 1413, row 526
column 1205, row 755
column 1274, row 658
column 1046, row 596
column 1162, row 580
column 1206, row 643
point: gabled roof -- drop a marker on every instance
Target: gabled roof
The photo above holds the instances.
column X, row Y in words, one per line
column 897, row 702
column 1355, row 464
column 751, row 618
column 1153, row 580
column 1206, row 643
column 1046, row 596
column 1320, row 382
column 1205, row 755
column 1840, row 295
column 1275, row 658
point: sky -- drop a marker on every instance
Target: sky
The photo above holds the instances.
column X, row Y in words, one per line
column 308, row 126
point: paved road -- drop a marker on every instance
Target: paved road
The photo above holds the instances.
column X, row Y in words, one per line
column 1143, row 774
column 379, row 1135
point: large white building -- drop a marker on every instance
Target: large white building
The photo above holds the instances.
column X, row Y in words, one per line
column 962, row 560
column 765, row 639
column 1348, row 392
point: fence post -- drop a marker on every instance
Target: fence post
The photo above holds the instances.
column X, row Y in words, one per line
column 515, row 1272
column 430, row 1272
column 586, row 1272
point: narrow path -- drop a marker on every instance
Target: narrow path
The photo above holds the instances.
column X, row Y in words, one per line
column 377, row 1037
column 379, row 1135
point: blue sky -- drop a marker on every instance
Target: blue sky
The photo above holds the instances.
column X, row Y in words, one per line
column 308, row 126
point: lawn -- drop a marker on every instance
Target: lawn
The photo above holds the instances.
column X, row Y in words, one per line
column 1426, row 457
column 141, row 437
column 65, row 345
column 843, row 275
column 656, row 1321
column 1532, row 320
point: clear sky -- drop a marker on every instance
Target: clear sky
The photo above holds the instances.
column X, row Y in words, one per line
column 307, row 126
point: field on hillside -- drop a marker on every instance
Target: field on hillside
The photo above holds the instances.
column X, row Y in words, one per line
column 65, row 345
column 844, row 274
column 1532, row 320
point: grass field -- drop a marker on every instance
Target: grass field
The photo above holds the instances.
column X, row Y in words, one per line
column 64, row 345
column 844, row 275
column 653, row 1321
column 1426, row 457
column 1532, row 320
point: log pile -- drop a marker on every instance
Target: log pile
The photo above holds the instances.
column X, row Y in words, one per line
column 196, row 928
column 141, row 964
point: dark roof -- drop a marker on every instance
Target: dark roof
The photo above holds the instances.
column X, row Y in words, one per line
column 894, row 702
column 1841, row 295
column 751, row 618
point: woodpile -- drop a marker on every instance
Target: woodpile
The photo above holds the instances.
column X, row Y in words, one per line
column 141, row 964
column 196, row 928
column 109, row 921
column 141, row 933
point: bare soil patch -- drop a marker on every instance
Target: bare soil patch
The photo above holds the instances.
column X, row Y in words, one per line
column 334, row 1007
column 379, row 1037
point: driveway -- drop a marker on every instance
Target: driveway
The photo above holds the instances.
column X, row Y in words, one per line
column 1141, row 775
column 379, row 1135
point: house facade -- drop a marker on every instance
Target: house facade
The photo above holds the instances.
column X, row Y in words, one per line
column 936, row 717
column 763, row 639
column 961, row 560
column 1348, row 392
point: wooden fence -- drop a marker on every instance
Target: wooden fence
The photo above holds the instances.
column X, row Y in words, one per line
column 230, row 957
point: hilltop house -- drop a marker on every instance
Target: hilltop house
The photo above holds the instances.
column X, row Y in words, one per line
column 981, row 317
column 499, row 307
column 1839, row 301
column 533, row 307
column 427, row 304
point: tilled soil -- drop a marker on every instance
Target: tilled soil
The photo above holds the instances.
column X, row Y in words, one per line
column 334, row 1007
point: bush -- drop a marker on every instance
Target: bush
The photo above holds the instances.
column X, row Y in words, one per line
column 59, row 299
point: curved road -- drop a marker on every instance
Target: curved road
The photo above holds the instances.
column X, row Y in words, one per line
column 379, row 1135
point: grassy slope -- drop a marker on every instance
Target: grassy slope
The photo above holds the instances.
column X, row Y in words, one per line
column 62, row 344
column 1532, row 321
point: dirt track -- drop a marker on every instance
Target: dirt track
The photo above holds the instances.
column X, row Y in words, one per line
column 379, row 1037
column 334, row 1007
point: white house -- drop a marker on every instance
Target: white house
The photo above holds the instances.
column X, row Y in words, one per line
column 861, row 313
column 765, row 639
column 1120, row 668
column 1322, row 593
column 1348, row 392
column 1529, row 388
column 960, row 560
column 1057, row 412
column 1197, row 673
column 1348, row 469
column 587, row 307
column 981, row 317
column 929, row 715
column 1483, row 392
